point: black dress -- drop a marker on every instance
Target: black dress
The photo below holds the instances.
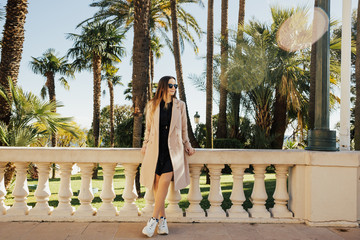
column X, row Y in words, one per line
column 164, row 164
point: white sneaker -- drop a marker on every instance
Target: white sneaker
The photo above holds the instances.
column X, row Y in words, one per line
column 149, row 229
column 163, row 228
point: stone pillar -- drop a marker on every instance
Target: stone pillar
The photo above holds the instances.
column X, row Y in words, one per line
column 42, row 192
column 65, row 193
column 147, row 211
column 21, row 191
column 281, row 196
column 129, row 195
column 173, row 210
column 3, row 208
column 86, row 196
column 215, row 195
column 345, row 76
column 107, row 194
column 237, row 196
column 194, row 196
column 259, row 196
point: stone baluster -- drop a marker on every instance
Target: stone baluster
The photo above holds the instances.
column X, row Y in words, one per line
column 215, row 195
column 3, row 208
column 194, row 196
column 173, row 210
column 65, row 193
column 147, row 211
column 281, row 196
column 42, row 192
column 86, row 196
column 237, row 196
column 21, row 191
column 129, row 194
column 259, row 196
column 107, row 194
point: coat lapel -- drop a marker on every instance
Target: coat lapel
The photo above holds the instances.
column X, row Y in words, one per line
column 175, row 114
column 157, row 119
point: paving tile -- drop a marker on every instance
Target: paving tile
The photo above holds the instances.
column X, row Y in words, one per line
column 16, row 230
column 103, row 231
column 347, row 233
column 55, row 231
column 315, row 233
column 129, row 231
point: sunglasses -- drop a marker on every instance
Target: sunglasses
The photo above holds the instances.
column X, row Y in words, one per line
column 173, row 85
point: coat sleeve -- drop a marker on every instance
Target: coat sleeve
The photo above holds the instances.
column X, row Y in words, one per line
column 147, row 125
column 185, row 137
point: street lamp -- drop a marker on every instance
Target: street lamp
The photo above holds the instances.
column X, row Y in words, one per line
column 197, row 118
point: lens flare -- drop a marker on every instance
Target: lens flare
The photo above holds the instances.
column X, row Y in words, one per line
column 301, row 30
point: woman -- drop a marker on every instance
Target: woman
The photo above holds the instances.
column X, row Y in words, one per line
column 165, row 143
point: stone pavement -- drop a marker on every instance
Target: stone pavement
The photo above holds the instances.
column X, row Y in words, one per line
column 184, row 231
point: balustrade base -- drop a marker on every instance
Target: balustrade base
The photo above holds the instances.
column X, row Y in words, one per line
column 281, row 213
column 195, row 214
column 259, row 213
column 41, row 210
column 129, row 210
column 238, row 214
column 63, row 211
column 18, row 211
column 216, row 213
column 85, row 211
column 4, row 209
column 107, row 212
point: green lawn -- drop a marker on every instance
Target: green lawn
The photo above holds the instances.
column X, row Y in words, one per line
column 119, row 183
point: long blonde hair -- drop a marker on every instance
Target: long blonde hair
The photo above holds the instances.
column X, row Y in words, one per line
column 161, row 93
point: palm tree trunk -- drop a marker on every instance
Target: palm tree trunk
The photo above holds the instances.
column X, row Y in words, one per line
column 96, row 64
column 357, row 84
column 222, row 123
column 178, row 67
column 312, row 82
column 50, row 84
column 97, row 92
column 140, row 75
column 209, row 74
column 235, row 97
column 12, row 48
column 151, row 79
column 279, row 122
column 112, row 129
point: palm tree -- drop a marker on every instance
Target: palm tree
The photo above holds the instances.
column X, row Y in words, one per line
column 121, row 13
column 97, row 45
column 140, row 74
column 236, row 96
column 357, row 84
column 209, row 74
column 222, row 123
column 112, row 80
column 48, row 65
column 178, row 66
column 12, row 47
column 30, row 120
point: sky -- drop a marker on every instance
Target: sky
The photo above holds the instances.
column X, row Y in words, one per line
column 48, row 22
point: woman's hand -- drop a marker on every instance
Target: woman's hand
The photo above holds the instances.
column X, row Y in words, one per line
column 143, row 150
column 190, row 151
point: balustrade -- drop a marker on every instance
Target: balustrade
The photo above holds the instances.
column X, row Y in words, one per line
column 42, row 192
column 291, row 206
column 3, row 208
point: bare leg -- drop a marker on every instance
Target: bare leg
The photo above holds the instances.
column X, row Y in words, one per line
column 162, row 187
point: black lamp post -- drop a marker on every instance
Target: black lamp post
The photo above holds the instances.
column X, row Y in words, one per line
column 321, row 138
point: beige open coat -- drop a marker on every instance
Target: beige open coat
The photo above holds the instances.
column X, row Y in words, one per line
column 178, row 139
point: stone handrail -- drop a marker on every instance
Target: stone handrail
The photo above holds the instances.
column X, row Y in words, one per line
column 318, row 188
